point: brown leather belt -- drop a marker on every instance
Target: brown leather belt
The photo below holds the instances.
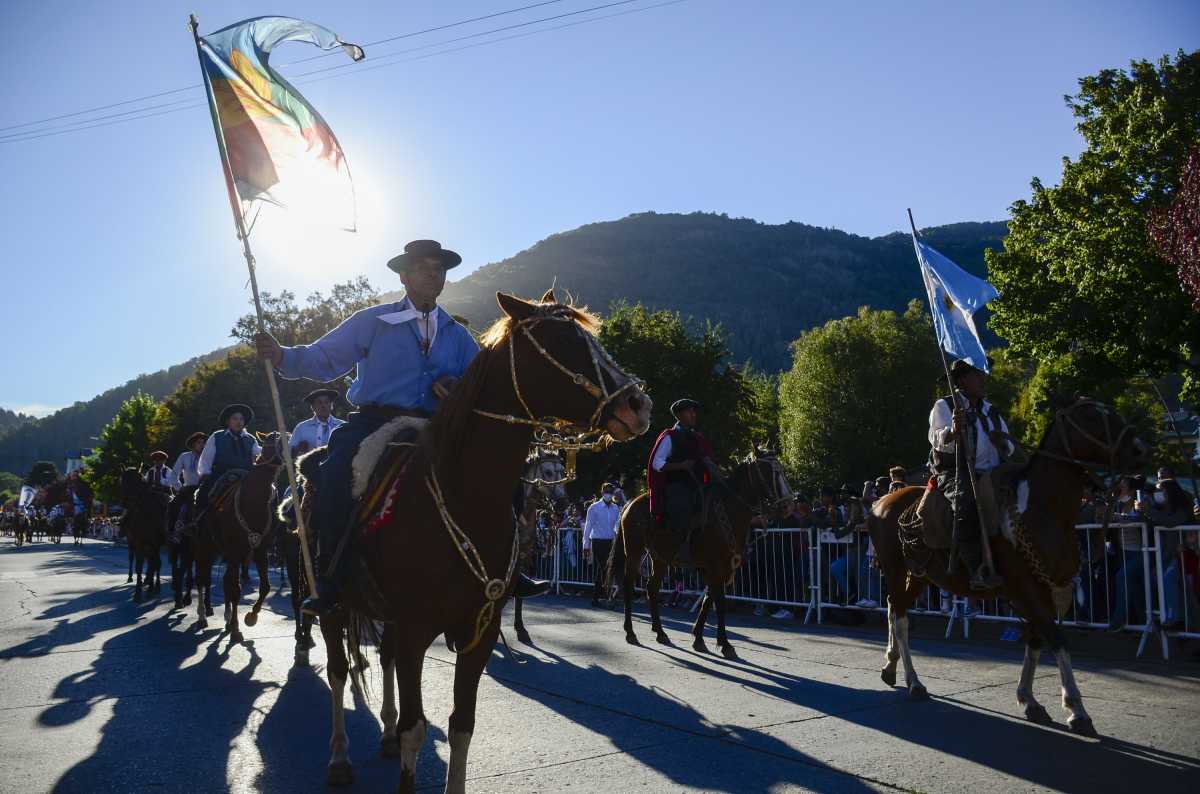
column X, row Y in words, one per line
column 392, row 412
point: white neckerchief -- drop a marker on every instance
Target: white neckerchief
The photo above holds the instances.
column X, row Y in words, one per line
column 426, row 324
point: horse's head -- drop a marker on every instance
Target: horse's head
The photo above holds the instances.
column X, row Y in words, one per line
column 131, row 483
column 1092, row 435
column 546, row 473
column 560, row 373
column 272, row 450
column 760, row 482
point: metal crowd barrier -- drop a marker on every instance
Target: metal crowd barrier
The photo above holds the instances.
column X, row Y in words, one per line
column 1141, row 580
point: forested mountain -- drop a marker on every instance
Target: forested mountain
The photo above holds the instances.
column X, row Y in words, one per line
column 73, row 427
column 10, row 420
column 764, row 284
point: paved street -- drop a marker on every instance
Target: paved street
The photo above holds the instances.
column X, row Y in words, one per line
column 100, row 694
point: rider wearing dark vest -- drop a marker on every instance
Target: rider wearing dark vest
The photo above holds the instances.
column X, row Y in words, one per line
column 986, row 446
column 680, row 466
column 226, row 450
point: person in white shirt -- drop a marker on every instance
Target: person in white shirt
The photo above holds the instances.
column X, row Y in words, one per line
column 967, row 417
column 159, row 474
column 599, row 529
column 314, row 431
column 185, row 477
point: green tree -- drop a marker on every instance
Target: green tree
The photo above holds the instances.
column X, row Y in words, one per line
column 125, row 441
column 676, row 361
column 857, row 397
column 10, row 482
column 42, row 474
column 1079, row 274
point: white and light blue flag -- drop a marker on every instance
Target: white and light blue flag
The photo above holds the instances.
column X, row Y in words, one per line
column 954, row 297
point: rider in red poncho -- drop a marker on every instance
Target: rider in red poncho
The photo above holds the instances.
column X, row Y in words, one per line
column 680, row 466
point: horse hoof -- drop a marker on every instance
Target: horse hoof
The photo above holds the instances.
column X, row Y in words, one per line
column 309, row 642
column 301, row 658
column 187, row 601
column 389, row 747
column 340, row 773
column 1036, row 712
column 918, row 692
column 728, row 652
column 128, row 580
column 201, row 624
column 699, row 646
column 523, row 637
column 663, row 639
column 1083, row 726
column 208, row 611
column 250, row 619
column 236, row 637
column 632, row 639
column 888, row 676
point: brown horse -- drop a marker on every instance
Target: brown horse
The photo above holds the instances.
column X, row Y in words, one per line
column 443, row 562
column 756, row 491
column 62, row 492
column 237, row 526
column 145, row 526
column 1037, row 555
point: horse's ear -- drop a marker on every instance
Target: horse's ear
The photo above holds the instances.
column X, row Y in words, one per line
column 514, row 307
column 549, row 296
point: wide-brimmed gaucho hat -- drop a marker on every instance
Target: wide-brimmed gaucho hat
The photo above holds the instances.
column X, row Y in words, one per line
column 962, row 367
column 236, row 408
column 158, row 454
column 424, row 249
column 332, row 394
column 683, row 404
column 194, row 437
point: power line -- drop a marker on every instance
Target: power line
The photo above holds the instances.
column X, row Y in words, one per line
column 194, row 86
column 35, row 134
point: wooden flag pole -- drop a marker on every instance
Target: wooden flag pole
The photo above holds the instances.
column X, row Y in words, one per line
column 240, row 222
column 962, row 437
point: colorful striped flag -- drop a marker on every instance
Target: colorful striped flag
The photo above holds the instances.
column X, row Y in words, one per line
column 278, row 147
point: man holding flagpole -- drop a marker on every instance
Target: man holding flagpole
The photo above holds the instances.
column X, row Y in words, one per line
column 967, row 436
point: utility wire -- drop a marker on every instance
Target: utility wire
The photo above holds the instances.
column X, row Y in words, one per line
column 194, row 86
column 35, row 134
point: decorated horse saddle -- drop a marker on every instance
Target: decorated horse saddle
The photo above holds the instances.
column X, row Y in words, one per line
column 930, row 520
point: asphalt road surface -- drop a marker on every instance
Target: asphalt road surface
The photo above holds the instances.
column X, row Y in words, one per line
column 98, row 694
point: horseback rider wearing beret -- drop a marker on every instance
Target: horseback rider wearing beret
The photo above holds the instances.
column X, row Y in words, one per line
column 159, row 473
column 966, row 415
column 229, row 448
column 407, row 356
column 681, row 464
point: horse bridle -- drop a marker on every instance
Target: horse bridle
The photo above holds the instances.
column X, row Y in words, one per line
column 598, row 390
column 774, row 496
column 1109, row 445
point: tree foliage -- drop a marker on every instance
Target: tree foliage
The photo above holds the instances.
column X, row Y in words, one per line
column 1175, row 229
column 676, row 361
column 125, row 441
column 42, row 473
column 857, row 397
column 1079, row 274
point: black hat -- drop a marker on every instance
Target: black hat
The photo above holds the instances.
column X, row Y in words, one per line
column 236, row 408
column 332, row 394
column 424, row 249
column 680, row 405
column 608, row 487
column 962, row 367
column 193, row 437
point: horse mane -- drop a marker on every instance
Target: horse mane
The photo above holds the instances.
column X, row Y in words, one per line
column 448, row 427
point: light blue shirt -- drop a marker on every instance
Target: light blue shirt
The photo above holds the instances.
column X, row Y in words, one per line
column 315, row 432
column 394, row 369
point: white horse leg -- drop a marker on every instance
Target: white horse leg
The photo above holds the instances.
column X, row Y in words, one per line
column 916, row 690
column 388, row 714
column 1034, row 711
column 892, row 654
column 338, row 771
column 1072, row 700
column 456, row 776
column 411, row 741
column 201, row 618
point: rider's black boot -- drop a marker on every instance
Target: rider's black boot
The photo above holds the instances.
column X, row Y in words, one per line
column 524, row 587
column 982, row 577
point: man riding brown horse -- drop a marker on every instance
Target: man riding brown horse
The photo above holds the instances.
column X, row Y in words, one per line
column 968, row 436
column 408, row 355
column 230, row 449
column 680, row 468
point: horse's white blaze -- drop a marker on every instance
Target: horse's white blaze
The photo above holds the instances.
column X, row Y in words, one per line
column 456, row 777
column 1028, row 670
column 339, row 744
column 388, row 713
column 1071, row 698
column 410, row 746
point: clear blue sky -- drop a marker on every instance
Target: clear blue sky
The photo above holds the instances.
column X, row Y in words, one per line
column 834, row 114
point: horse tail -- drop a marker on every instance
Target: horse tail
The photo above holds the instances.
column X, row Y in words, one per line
column 360, row 631
column 616, row 559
